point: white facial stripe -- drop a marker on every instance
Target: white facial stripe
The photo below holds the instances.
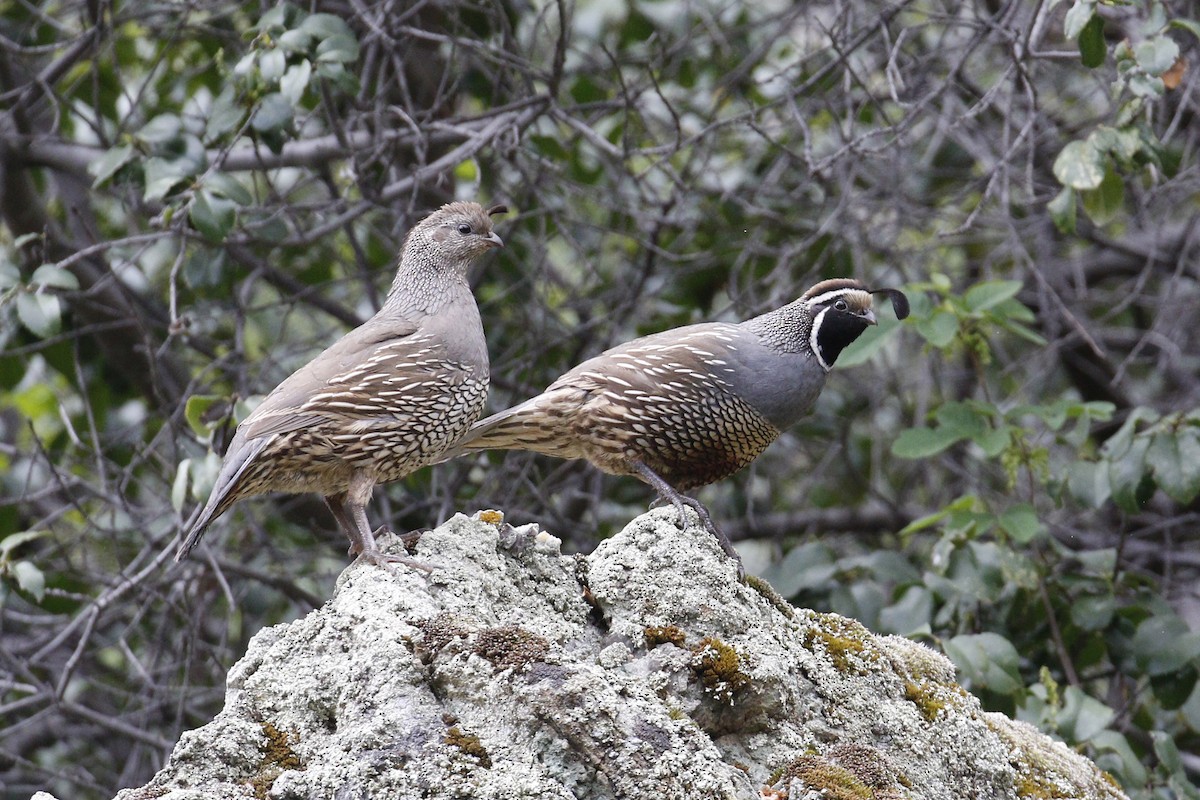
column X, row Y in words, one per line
column 812, row 337
column 824, row 298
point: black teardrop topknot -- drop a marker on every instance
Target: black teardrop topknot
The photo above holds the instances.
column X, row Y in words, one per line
column 899, row 301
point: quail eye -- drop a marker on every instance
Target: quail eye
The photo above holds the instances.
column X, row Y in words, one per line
column 464, row 229
column 841, row 305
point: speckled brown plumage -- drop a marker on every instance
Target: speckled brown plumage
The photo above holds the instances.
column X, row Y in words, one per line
column 386, row 399
column 686, row 407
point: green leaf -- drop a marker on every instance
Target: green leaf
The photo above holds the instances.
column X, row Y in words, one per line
column 805, row 566
column 927, row 521
column 30, row 579
column 110, row 163
column 962, row 419
column 274, row 113
column 1082, row 717
column 1092, row 48
column 40, row 313
column 1088, row 483
column 983, row 296
column 913, row 611
column 224, row 117
column 212, row 216
column 226, row 185
column 325, row 26
column 939, row 329
column 1062, row 210
column 1078, row 18
column 1025, row 332
column 10, row 276
column 294, row 41
column 276, row 17
column 988, row 660
column 1119, row 443
column 338, row 49
column 52, row 275
column 1173, row 689
column 1125, row 475
column 866, row 346
column 1079, row 166
column 1164, row 643
column 1166, row 750
column 1122, row 143
column 196, row 408
column 924, row 442
column 342, row 78
column 295, row 81
column 1174, row 458
column 162, row 175
column 271, row 65
column 161, row 129
column 1106, row 202
column 1189, row 25
column 1022, row 524
column 1093, row 612
column 14, row 540
column 180, row 484
column 204, row 266
column 993, row 441
column 467, row 171
column 1156, row 55
column 1115, row 754
column 1144, row 85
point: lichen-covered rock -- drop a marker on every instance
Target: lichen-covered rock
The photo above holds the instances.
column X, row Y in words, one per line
column 645, row 670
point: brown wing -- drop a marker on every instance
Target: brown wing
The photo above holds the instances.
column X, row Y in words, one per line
column 667, row 402
column 330, row 383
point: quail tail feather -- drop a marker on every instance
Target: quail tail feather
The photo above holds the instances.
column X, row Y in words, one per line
column 238, row 459
column 522, row 427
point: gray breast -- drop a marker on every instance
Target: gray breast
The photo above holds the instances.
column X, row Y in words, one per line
column 781, row 386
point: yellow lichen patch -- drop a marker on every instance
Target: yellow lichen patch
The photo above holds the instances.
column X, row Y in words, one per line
column 832, row 781
column 664, row 634
column 510, row 646
column 924, row 698
column 719, row 668
column 773, row 597
column 468, row 743
column 278, row 757
column 848, row 771
column 491, row 517
column 847, row 642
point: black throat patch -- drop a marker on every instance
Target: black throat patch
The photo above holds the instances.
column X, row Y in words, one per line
column 833, row 332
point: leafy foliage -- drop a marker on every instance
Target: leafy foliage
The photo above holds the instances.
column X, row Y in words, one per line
column 198, row 199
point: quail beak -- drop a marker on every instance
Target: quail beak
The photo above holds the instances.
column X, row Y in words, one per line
column 869, row 316
column 493, row 240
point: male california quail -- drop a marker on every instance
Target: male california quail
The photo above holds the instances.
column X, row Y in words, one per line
column 384, row 400
column 689, row 406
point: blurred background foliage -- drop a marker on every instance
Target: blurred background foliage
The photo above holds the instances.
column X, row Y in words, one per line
column 197, row 198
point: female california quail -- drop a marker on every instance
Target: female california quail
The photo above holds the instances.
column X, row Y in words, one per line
column 689, row 406
column 384, row 400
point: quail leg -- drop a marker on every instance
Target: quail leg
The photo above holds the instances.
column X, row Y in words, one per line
column 350, row 511
column 667, row 492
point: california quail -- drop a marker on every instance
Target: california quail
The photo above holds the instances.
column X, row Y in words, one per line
column 689, row 406
column 384, row 400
